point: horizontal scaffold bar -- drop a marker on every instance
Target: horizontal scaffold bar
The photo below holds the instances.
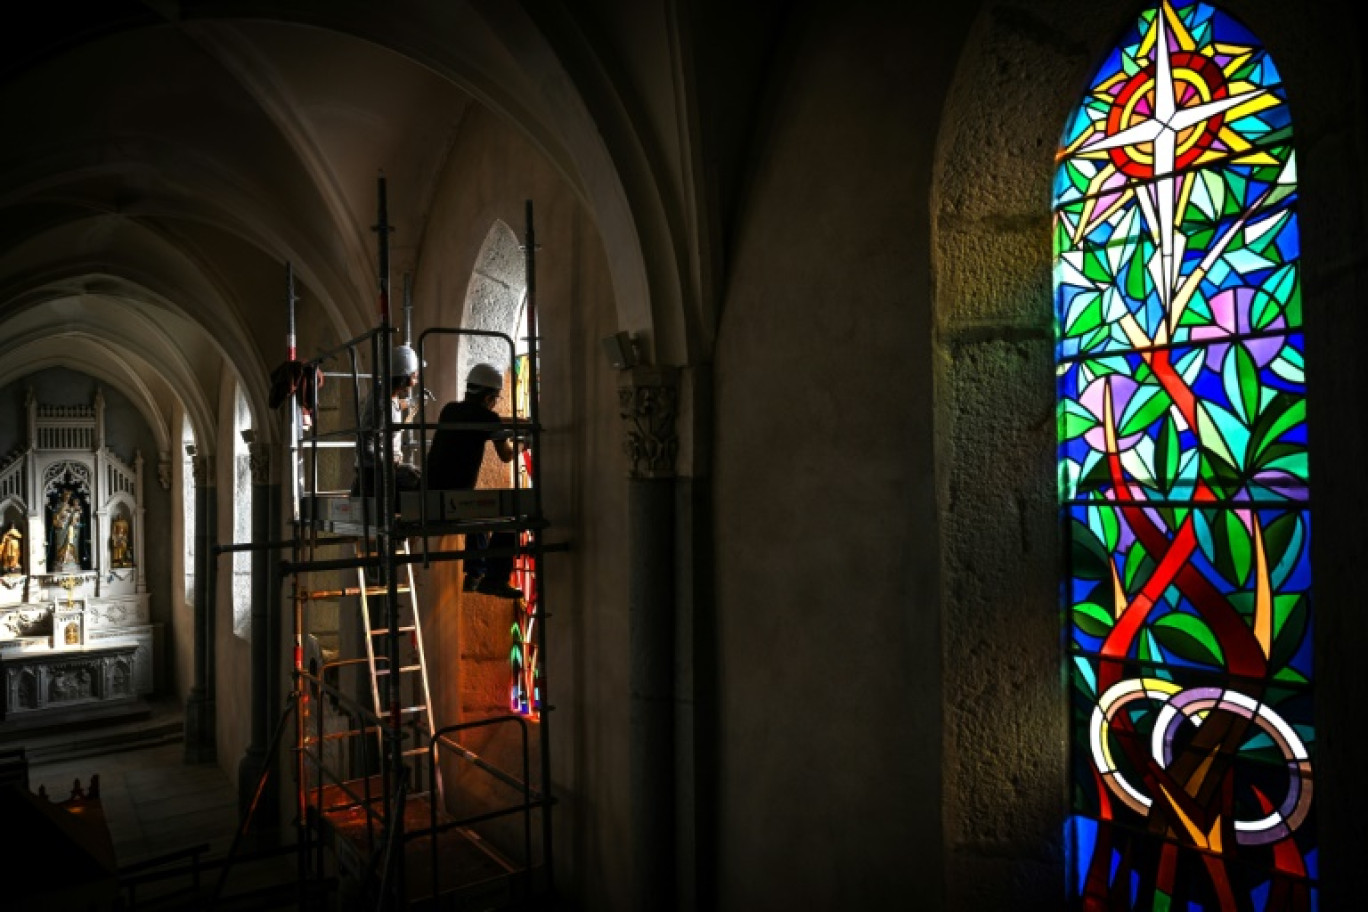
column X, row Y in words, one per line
column 349, row 563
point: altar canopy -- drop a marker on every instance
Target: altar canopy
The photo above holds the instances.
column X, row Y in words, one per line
column 73, row 590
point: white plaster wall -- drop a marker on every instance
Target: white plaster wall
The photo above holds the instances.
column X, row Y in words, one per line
column 826, row 525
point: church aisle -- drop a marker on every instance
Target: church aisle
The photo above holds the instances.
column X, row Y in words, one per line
column 154, row 802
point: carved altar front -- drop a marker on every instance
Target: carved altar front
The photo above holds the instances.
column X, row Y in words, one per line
column 93, row 677
column 75, row 627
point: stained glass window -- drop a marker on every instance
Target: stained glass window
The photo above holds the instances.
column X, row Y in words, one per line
column 524, row 693
column 1183, row 477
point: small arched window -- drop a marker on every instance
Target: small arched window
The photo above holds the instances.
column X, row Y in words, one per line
column 242, row 518
column 188, row 501
column 496, row 301
column 1183, row 476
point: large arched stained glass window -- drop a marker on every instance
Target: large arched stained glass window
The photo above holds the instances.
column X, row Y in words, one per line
column 1182, row 473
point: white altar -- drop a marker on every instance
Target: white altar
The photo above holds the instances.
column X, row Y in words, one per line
column 72, row 584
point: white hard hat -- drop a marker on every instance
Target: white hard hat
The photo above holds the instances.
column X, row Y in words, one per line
column 485, row 376
column 403, row 361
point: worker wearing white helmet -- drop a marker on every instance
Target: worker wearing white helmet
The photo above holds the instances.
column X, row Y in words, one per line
column 402, row 381
column 484, row 379
column 453, row 463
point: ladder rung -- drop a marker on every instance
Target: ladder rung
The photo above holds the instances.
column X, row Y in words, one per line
column 409, row 709
column 316, row 594
column 402, row 669
column 338, row 663
column 335, row 736
column 414, row 752
column 384, row 631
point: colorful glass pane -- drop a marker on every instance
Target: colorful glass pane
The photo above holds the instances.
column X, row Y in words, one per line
column 524, row 695
column 1183, row 477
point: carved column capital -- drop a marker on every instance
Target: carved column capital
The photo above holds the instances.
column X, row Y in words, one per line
column 648, row 403
column 200, row 465
column 258, row 461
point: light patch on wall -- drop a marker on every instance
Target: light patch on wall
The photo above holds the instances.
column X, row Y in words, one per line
column 188, row 498
column 242, row 521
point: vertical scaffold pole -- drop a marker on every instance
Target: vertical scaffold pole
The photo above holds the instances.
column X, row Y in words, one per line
column 384, row 461
column 296, row 419
column 291, row 348
column 386, row 501
column 382, row 229
column 534, row 416
column 408, row 308
column 297, row 684
column 296, row 434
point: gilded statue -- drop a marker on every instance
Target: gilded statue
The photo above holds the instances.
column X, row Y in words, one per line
column 60, row 517
column 12, row 551
column 66, row 534
column 119, row 553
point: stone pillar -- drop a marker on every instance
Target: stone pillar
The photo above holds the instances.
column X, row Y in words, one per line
column 696, row 734
column 649, row 405
column 257, row 759
column 139, row 520
column 200, row 724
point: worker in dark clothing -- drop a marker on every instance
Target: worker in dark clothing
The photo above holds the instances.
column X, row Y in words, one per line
column 404, row 361
column 453, row 463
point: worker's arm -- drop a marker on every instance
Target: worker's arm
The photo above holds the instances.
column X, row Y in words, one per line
column 505, row 444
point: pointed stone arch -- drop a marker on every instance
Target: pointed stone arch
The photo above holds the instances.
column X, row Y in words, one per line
column 494, row 299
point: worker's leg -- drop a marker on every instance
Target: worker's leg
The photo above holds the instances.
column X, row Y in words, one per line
column 498, row 567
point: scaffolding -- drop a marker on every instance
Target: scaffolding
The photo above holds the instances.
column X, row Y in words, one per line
column 379, row 780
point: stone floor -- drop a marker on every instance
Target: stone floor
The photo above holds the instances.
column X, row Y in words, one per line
column 155, row 803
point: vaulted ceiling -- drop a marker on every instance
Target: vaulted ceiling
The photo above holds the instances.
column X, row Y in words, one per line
column 163, row 161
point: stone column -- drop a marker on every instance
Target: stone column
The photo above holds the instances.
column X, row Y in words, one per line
column 648, row 401
column 200, row 726
column 256, row 759
column 695, row 670
column 139, row 520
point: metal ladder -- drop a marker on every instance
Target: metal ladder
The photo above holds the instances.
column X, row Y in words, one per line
column 412, row 676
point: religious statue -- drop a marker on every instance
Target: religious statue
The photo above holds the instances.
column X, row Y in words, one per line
column 119, row 553
column 73, row 634
column 66, row 535
column 60, row 516
column 12, row 551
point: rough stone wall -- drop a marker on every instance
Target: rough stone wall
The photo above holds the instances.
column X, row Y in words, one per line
column 1004, row 734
